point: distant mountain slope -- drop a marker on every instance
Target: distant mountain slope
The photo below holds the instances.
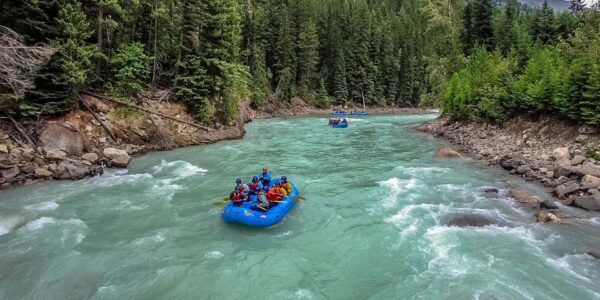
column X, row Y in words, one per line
column 557, row 5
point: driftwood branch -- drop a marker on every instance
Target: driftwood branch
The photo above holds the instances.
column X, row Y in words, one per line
column 152, row 112
column 108, row 130
column 21, row 131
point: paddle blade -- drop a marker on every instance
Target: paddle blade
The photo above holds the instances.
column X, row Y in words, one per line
column 221, row 202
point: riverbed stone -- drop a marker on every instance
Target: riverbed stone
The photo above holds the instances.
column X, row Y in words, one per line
column 28, row 154
column 587, row 129
column 447, row 153
column 563, row 190
column 547, row 217
column 66, row 170
column 55, row 155
column 577, row 160
column 43, row 173
column 590, row 202
column 91, row 157
column 9, row 173
column 590, row 182
column 470, row 221
column 523, row 169
column 118, row 157
column 594, row 254
column 561, row 154
column 3, row 148
column 7, row 161
column 57, row 137
column 548, row 204
column 587, row 170
column 523, row 196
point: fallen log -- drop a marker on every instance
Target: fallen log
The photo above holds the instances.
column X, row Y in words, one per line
column 108, row 130
column 151, row 112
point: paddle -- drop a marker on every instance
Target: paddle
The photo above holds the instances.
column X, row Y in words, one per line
column 221, row 202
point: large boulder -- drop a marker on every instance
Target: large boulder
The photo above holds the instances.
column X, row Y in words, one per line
column 590, row 182
column 56, row 137
column 547, row 217
column 447, row 153
column 591, row 202
column 55, row 155
column 118, row 158
column 561, row 154
column 587, row 170
column 470, row 221
column 523, row 196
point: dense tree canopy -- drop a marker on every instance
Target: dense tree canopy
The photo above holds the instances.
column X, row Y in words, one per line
column 475, row 58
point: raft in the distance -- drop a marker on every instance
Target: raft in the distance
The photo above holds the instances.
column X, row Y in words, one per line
column 359, row 113
column 254, row 218
column 339, row 114
column 340, row 125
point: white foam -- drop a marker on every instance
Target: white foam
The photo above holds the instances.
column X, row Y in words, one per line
column 177, row 169
column 214, row 255
column 397, row 187
column 43, row 206
column 44, row 221
column 419, row 171
column 154, row 239
column 8, row 223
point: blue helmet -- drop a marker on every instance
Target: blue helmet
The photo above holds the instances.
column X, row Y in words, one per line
column 238, row 181
column 265, row 188
column 255, row 179
column 283, row 178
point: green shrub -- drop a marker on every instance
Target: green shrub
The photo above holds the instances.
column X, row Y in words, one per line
column 131, row 68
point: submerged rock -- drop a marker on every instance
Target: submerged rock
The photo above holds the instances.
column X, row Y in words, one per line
column 594, row 254
column 447, row 153
column 470, row 221
column 548, row 204
column 490, row 193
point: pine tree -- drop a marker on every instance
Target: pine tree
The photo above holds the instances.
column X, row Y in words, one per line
column 308, row 57
column 543, row 29
column 57, row 87
column 467, row 35
column 482, row 24
column 259, row 82
column 340, row 85
column 322, row 99
column 590, row 104
column 507, row 35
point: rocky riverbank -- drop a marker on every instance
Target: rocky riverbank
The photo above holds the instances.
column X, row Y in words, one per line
column 81, row 143
column 563, row 157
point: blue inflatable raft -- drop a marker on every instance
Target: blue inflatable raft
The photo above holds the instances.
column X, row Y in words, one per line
column 341, row 125
column 359, row 114
column 256, row 218
column 339, row 114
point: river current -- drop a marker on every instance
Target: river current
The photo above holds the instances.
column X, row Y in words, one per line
column 373, row 225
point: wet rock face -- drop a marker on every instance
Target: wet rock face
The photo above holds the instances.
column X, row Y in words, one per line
column 590, row 202
column 548, row 204
column 547, row 217
column 56, row 137
column 594, row 254
column 470, row 221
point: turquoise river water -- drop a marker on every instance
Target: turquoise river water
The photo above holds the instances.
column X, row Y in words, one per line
column 373, row 226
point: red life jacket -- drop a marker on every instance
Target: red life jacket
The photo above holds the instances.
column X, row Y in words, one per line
column 272, row 196
column 253, row 186
column 236, row 197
